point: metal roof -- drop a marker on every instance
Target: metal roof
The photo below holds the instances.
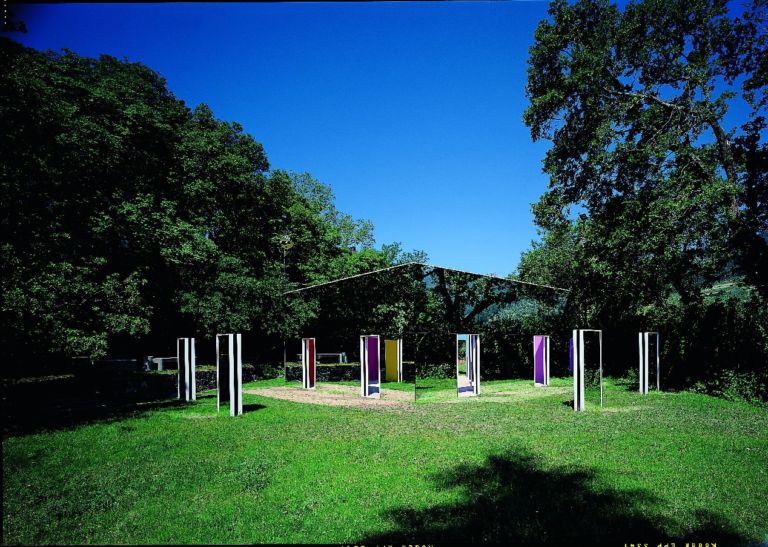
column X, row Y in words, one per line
column 434, row 267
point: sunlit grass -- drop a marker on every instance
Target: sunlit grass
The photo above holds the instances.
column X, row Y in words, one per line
column 287, row 472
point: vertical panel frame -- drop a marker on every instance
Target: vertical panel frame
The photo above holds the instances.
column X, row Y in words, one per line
column 579, row 366
column 218, row 378
column 472, row 363
column 186, row 387
column 541, row 360
column 234, row 364
column 393, row 348
column 643, row 341
column 180, row 366
column 475, row 363
column 363, row 367
column 193, row 370
column 367, row 381
column 456, row 366
column 308, row 363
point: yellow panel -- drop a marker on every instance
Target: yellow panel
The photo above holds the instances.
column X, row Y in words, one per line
column 390, row 360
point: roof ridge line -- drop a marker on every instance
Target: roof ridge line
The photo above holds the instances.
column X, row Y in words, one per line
column 428, row 266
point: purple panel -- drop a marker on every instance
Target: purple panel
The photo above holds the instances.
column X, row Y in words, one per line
column 373, row 359
column 538, row 359
column 570, row 355
column 312, row 355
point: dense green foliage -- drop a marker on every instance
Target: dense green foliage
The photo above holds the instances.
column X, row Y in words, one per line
column 658, row 193
column 131, row 220
column 128, row 219
column 514, row 466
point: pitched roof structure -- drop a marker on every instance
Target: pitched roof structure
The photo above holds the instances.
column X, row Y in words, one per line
column 425, row 265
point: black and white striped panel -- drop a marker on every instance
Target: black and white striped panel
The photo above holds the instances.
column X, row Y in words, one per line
column 643, row 344
column 185, row 357
column 578, row 366
column 229, row 372
column 578, row 370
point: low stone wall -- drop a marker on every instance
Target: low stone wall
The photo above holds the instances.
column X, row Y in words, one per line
column 126, row 383
column 327, row 373
column 343, row 373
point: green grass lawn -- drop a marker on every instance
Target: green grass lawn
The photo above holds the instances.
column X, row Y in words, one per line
column 443, row 390
column 514, row 464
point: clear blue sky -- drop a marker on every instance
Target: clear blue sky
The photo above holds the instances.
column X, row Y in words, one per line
column 410, row 112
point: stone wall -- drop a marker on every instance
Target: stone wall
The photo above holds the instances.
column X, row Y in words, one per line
column 327, row 373
column 343, row 372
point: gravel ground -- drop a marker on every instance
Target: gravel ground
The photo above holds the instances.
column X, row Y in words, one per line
column 335, row 395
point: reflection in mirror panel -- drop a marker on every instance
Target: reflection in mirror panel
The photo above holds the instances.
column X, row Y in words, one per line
column 419, row 332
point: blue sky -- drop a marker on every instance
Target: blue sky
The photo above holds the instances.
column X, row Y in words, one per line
column 410, row 112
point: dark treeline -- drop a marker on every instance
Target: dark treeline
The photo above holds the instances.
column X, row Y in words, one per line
column 129, row 219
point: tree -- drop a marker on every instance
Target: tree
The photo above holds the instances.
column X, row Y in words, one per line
column 128, row 219
column 84, row 175
column 635, row 106
column 654, row 190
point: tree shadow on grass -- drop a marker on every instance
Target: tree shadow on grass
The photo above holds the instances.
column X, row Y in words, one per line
column 632, row 385
column 68, row 401
column 513, row 499
column 252, row 407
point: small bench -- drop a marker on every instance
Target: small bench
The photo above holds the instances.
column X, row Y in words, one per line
column 162, row 363
column 342, row 356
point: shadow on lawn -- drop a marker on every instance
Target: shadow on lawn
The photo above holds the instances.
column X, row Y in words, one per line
column 252, row 407
column 631, row 384
column 512, row 499
column 68, row 401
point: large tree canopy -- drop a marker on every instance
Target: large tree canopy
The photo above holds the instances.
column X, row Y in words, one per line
column 128, row 217
column 636, row 104
column 658, row 158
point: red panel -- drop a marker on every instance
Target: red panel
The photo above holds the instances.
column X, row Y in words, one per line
column 311, row 362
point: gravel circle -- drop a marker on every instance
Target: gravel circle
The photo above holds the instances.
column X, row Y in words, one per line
column 336, row 395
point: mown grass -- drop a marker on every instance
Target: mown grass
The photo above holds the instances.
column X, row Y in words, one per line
column 515, row 464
